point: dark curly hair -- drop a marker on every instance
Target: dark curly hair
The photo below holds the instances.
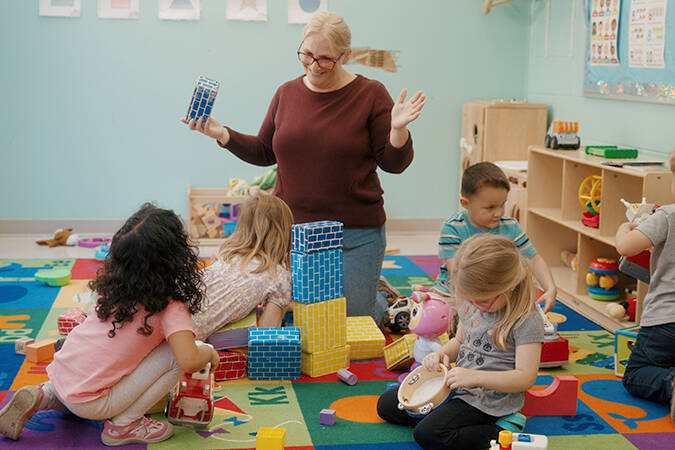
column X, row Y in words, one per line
column 150, row 262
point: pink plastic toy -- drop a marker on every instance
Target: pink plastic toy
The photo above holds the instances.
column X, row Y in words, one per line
column 430, row 318
column 93, row 242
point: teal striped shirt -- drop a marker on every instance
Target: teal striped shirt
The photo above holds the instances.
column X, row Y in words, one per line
column 458, row 228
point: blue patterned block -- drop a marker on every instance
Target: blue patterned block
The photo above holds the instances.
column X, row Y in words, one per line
column 274, row 353
column 315, row 236
column 203, row 97
column 317, row 276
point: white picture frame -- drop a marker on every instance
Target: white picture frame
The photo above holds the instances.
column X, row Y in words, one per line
column 247, row 10
column 118, row 9
column 60, row 8
column 301, row 11
column 172, row 10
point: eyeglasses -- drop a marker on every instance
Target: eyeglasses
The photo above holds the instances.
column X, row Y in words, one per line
column 308, row 59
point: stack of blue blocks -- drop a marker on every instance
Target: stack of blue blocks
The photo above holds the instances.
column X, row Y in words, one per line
column 316, row 261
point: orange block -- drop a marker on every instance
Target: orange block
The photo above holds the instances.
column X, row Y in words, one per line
column 559, row 399
column 41, row 350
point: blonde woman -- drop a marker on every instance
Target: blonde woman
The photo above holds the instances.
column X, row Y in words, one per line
column 251, row 268
column 329, row 130
column 496, row 349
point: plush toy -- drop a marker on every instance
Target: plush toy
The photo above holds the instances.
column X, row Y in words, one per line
column 622, row 309
column 61, row 237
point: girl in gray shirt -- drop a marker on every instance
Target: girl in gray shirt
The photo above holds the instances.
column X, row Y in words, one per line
column 496, row 349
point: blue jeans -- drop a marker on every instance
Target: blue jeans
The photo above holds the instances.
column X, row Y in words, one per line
column 363, row 253
column 651, row 366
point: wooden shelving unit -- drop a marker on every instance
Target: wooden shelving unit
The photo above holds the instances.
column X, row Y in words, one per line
column 207, row 196
column 554, row 218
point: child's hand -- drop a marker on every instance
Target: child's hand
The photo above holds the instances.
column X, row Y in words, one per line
column 627, row 226
column 433, row 360
column 459, row 377
column 548, row 299
column 215, row 360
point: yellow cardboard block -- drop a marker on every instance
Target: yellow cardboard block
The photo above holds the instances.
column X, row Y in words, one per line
column 365, row 338
column 323, row 363
column 323, row 325
column 401, row 353
column 270, row 439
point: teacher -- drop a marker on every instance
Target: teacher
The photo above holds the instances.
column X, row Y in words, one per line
column 328, row 131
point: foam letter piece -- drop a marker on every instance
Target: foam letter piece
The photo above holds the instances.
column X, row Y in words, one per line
column 559, row 399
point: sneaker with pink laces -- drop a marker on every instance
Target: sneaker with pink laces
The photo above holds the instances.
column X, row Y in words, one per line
column 18, row 411
column 142, row 431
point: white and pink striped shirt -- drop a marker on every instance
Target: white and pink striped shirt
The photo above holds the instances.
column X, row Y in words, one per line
column 231, row 295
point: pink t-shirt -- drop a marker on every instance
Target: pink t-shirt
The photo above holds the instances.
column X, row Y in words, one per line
column 90, row 362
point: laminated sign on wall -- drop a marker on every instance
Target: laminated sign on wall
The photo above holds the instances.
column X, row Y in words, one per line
column 179, row 9
column 60, row 8
column 247, row 10
column 118, row 9
column 605, row 15
column 301, row 11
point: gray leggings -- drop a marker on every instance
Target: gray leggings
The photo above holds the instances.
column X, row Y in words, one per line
column 135, row 393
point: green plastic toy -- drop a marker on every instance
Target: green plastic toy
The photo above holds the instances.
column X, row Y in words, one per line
column 611, row 151
column 53, row 277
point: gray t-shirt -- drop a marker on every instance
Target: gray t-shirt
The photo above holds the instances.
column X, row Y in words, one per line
column 478, row 352
column 659, row 303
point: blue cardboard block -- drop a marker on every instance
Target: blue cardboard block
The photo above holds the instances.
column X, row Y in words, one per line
column 317, row 276
column 274, row 353
column 316, row 236
column 203, row 97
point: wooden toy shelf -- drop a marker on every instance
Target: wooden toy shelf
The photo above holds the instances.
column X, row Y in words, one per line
column 554, row 218
column 207, row 196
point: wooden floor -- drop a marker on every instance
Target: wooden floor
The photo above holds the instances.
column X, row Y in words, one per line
column 24, row 246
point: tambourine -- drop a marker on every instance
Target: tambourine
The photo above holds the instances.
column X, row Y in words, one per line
column 423, row 390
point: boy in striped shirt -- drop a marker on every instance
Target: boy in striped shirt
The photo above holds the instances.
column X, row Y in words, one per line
column 483, row 196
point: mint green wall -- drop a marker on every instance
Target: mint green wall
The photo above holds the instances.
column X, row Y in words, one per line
column 557, row 79
column 90, row 107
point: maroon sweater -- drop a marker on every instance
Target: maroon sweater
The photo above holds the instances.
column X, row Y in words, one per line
column 328, row 146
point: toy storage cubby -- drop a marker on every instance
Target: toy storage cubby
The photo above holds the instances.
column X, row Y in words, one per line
column 554, row 219
column 209, row 198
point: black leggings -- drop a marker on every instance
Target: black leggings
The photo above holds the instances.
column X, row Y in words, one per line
column 454, row 424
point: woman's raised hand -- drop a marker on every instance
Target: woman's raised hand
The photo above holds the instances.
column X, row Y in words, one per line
column 404, row 111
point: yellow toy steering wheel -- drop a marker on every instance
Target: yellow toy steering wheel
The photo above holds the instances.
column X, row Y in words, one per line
column 589, row 193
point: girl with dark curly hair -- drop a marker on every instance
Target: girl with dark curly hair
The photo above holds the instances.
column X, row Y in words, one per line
column 251, row 268
column 137, row 342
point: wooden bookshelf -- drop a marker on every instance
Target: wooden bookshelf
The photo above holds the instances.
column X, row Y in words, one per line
column 210, row 197
column 554, row 218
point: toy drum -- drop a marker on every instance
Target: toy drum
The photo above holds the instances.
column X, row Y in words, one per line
column 423, row 390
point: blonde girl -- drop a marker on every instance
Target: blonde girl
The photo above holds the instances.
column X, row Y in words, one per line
column 496, row 349
column 251, row 268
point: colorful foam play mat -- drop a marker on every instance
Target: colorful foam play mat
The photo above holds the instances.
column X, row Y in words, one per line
column 607, row 416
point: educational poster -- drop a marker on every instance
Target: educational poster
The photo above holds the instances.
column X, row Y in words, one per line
column 647, row 38
column 179, row 9
column 301, row 11
column 60, row 8
column 248, row 10
column 118, row 9
column 605, row 32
